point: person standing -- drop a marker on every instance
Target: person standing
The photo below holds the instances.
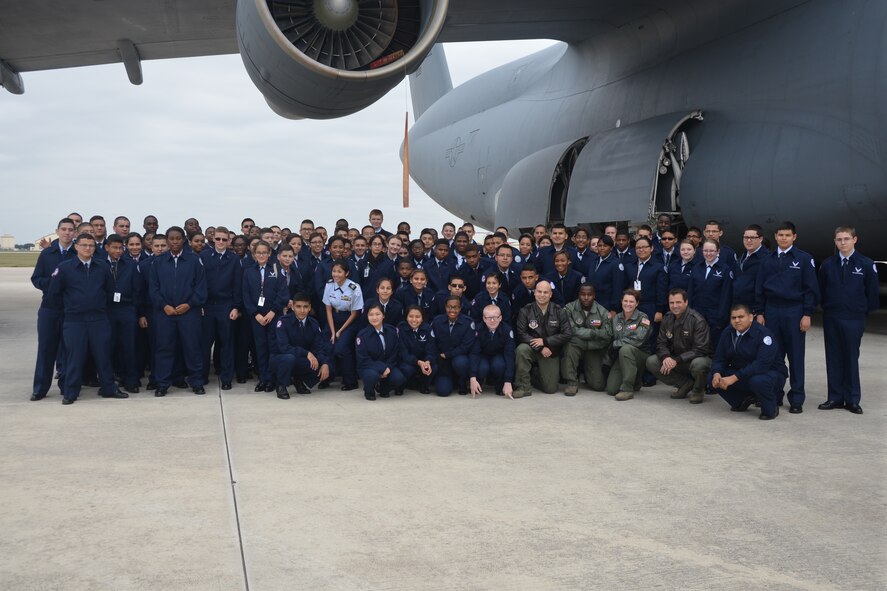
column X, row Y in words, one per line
column 50, row 316
column 84, row 285
column 711, row 289
column 122, row 312
column 848, row 282
column 343, row 303
column 747, row 266
column 786, row 295
column 177, row 286
column 224, row 277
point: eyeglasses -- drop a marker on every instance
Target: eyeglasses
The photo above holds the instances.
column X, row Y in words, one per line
column 751, row 237
column 492, row 317
column 664, row 238
column 457, row 286
column 220, row 239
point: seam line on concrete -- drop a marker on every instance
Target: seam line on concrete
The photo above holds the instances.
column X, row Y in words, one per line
column 233, row 492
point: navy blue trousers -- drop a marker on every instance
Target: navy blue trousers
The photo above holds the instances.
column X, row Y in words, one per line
column 184, row 330
column 287, row 367
column 492, row 368
column 218, row 331
column 764, row 387
column 785, row 324
column 842, row 338
column 450, row 373
column 50, row 347
column 82, row 339
column 123, row 341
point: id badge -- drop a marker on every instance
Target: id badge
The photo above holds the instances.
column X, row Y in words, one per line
column 366, row 272
column 637, row 285
column 261, row 301
column 116, row 297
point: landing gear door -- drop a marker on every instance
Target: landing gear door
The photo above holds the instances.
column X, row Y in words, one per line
column 616, row 177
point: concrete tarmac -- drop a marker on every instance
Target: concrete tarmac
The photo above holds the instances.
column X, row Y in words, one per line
column 239, row 490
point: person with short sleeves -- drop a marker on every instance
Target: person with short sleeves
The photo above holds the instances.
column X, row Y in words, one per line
column 418, row 352
column 264, row 299
column 492, row 356
column 848, row 282
column 377, row 348
column 454, row 337
column 344, row 302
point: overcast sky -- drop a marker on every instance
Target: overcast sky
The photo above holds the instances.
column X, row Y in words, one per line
column 196, row 138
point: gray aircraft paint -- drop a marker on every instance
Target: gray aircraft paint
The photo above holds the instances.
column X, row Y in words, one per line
column 794, row 125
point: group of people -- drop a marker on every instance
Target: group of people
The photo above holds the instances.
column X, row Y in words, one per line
column 445, row 313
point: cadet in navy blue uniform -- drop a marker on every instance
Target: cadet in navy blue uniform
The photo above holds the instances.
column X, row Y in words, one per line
column 84, row 285
column 472, row 270
column 607, row 274
column 343, row 303
column 506, row 267
column 711, row 289
column 264, row 299
column 665, row 248
column 564, row 278
column 418, row 353
column 545, row 256
column 51, row 313
column 747, row 365
column 391, row 308
column 492, row 294
column 417, row 294
column 581, row 254
column 440, row 267
column 300, row 354
column 454, row 337
column 290, row 272
column 622, row 248
column 177, row 285
column 849, row 286
column 377, row 356
column 455, row 287
column 378, row 265
column 492, row 356
column 224, row 301
column 786, row 295
column 747, row 266
column 714, row 231
column 122, row 311
column 682, row 267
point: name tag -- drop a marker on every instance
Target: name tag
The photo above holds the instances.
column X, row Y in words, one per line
column 261, row 301
column 637, row 285
column 117, row 297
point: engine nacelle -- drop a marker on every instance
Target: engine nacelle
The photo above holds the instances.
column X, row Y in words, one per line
column 322, row 59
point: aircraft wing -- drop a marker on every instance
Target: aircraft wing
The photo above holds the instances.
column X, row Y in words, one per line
column 50, row 34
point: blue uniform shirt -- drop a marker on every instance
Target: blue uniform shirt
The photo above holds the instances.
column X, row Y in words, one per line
column 849, row 291
column 271, row 291
column 84, row 288
column 745, row 276
column 607, row 277
column 224, row 276
column 712, row 296
column 787, row 280
column 291, row 337
column 126, row 281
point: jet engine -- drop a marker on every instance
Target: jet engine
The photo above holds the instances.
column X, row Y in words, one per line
column 322, row 59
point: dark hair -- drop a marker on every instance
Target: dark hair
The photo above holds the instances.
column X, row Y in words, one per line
column 285, row 248
column 745, row 307
column 375, row 306
column 633, row 293
column 115, row 238
column 501, row 246
column 96, row 217
column 679, row 291
column 85, row 236
column 529, row 267
column 301, row 296
column 244, row 220
column 342, row 264
column 261, row 242
column 65, row 221
column 783, row 226
column 442, row 242
column 172, row 229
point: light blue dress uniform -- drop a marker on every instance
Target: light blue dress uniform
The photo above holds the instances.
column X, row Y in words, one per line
column 343, row 299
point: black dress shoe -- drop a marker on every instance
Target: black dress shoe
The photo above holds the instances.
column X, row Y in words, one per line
column 260, row 387
column 270, row 386
column 854, row 408
column 398, row 392
column 282, row 393
column 114, row 394
column 648, row 383
column 132, row 389
column 796, row 409
column 226, row 385
column 743, row 406
column 301, row 388
column 323, row 385
column 181, row 384
column 384, row 394
column 346, row 387
column 425, row 390
column 199, row 390
column 369, row 396
column 68, row 400
column 36, row 397
column 764, row 417
column 161, row 392
column 241, row 380
column 151, row 386
column 830, row 405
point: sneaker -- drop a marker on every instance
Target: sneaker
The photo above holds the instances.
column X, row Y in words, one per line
column 571, row 390
column 624, row 395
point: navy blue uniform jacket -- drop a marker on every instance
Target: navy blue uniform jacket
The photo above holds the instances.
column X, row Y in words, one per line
column 172, row 285
column 488, row 344
column 290, row 338
column 224, row 276
column 459, row 342
column 850, row 292
column 47, row 262
column 791, row 280
column 745, row 277
column 416, row 345
column 85, row 293
column 756, row 354
column 274, row 291
column 371, row 356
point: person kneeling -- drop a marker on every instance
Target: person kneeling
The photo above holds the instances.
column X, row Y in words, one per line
column 747, row 366
column 376, row 348
column 543, row 328
column 592, row 335
column 493, row 354
column 682, row 349
column 453, row 337
column 631, row 327
column 300, row 353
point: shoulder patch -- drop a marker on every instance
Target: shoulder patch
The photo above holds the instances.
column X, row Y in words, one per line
column 731, row 274
column 645, row 322
column 621, row 267
column 812, row 263
column 582, row 280
column 432, row 333
column 875, row 268
column 329, row 280
column 280, row 324
column 511, row 334
column 472, row 325
column 352, row 286
column 357, row 342
column 768, row 341
column 56, row 272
